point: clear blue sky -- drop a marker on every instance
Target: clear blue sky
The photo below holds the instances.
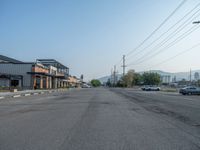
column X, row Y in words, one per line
column 90, row 36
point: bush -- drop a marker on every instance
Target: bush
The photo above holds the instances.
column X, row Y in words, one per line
column 95, row 83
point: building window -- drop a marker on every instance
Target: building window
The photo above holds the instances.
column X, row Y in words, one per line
column 15, row 83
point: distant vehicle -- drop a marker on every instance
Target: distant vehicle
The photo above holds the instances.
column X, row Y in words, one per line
column 190, row 90
column 150, row 88
column 86, row 86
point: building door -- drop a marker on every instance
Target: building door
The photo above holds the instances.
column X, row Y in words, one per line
column 38, row 82
column 53, row 82
column 14, row 83
column 44, row 82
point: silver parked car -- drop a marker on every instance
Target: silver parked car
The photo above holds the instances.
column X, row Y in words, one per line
column 190, row 90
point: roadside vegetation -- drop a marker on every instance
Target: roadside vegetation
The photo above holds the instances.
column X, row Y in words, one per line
column 131, row 78
column 95, row 83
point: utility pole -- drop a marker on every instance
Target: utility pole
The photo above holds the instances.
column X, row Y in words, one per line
column 195, row 22
column 111, row 77
column 190, row 77
column 124, row 64
column 114, row 74
column 124, row 68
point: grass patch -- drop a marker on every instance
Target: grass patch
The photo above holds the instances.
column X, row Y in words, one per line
column 4, row 91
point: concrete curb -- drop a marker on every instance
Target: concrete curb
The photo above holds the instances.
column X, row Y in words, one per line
column 14, row 96
column 2, row 97
column 31, row 93
column 27, row 94
column 35, row 93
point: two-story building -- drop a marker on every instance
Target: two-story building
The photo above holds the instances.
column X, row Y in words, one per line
column 73, row 82
column 42, row 74
column 60, row 72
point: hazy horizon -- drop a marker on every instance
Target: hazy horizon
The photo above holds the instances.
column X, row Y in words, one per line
column 90, row 37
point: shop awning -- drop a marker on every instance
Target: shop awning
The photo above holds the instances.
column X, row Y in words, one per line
column 41, row 73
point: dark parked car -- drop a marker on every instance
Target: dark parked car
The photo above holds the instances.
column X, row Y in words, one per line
column 190, row 90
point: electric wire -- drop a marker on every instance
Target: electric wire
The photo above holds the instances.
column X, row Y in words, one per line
column 169, row 37
column 178, row 54
column 184, row 35
column 148, row 37
column 157, row 39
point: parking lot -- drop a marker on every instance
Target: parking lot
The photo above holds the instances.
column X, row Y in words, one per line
column 185, row 108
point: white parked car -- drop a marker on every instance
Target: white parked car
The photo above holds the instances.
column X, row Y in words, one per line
column 86, row 86
column 150, row 88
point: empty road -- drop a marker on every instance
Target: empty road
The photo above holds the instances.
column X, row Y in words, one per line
column 101, row 119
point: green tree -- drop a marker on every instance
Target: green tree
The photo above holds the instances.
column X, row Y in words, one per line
column 183, row 82
column 108, row 83
column 120, row 83
column 95, row 83
column 137, row 79
column 198, row 83
column 127, row 79
column 130, row 79
column 150, row 78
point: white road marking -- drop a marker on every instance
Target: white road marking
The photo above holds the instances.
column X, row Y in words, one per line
column 16, row 96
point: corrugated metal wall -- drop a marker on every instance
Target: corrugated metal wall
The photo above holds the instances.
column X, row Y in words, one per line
column 4, row 82
column 18, row 69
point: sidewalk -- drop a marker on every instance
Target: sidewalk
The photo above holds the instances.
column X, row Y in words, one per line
column 28, row 93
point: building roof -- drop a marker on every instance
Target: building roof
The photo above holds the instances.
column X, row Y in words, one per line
column 5, row 75
column 5, row 59
column 52, row 62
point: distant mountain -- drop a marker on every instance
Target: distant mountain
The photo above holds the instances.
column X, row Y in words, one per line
column 105, row 78
column 179, row 75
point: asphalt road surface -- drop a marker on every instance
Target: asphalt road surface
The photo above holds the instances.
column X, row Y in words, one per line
column 101, row 119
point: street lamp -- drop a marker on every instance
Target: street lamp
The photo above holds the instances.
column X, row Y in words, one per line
column 196, row 22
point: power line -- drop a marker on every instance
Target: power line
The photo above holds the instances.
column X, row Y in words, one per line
column 178, row 7
column 148, row 37
column 173, row 57
column 184, row 35
column 176, row 31
column 176, row 41
column 173, row 27
column 191, row 30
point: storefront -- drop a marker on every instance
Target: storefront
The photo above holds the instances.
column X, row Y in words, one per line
column 8, row 81
column 40, row 76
